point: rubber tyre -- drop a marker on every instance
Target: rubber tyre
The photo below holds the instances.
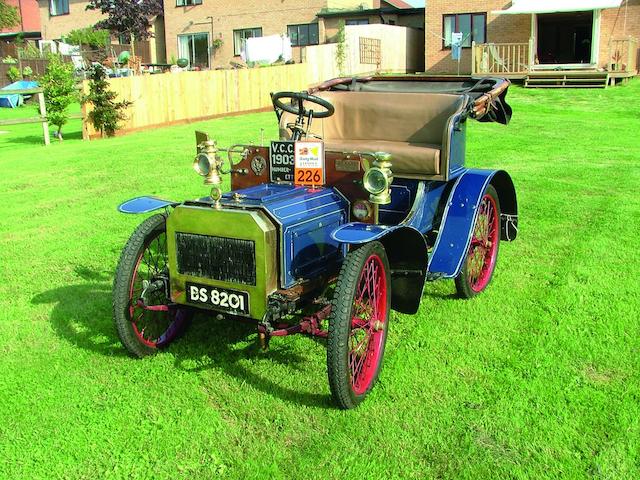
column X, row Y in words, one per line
column 141, row 238
column 340, row 325
column 463, row 284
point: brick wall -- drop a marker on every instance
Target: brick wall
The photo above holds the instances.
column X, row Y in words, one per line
column 515, row 28
column 53, row 28
column 29, row 16
column 272, row 15
column 613, row 25
column 500, row 28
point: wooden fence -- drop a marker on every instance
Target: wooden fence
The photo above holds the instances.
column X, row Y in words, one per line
column 174, row 98
column 37, row 65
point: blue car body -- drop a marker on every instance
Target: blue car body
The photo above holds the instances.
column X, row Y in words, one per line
column 426, row 229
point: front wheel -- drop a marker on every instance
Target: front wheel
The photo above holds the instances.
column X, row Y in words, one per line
column 482, row 255
column 358, row 324
column 144, row 317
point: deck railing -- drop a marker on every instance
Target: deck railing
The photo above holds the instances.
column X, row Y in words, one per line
column 623, row 55
column 506, row 58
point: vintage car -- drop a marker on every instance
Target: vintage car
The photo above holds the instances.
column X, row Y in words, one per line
column 363, row 199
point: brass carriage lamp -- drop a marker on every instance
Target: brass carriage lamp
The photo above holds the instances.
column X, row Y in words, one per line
column 377, row 180
column 209, row 165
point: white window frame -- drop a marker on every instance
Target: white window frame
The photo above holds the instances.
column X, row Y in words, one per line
column 186, row 55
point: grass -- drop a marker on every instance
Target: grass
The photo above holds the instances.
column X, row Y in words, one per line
column 538, row 378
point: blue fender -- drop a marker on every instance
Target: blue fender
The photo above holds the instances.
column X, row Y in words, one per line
column 145, row 205
column 407, row 252
column 460, row 214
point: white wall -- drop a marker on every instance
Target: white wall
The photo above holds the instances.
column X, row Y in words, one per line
column 402, row 50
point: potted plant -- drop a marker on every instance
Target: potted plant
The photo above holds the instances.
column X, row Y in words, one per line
column 615, row 64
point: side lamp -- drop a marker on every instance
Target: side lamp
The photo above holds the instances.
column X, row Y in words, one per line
column 378, row 179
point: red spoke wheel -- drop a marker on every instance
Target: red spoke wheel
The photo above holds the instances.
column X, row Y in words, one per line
column 145, row 319
column 358, row 324
column 482, row 255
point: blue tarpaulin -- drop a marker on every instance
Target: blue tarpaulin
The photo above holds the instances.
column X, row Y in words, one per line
column 13, row 101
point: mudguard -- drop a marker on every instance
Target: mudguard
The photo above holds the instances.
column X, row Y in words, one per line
column 460, row 214
column 145, row 205
column 407, row 253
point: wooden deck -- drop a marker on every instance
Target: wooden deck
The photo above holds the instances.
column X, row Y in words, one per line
column 517, row 61
column 565, row 78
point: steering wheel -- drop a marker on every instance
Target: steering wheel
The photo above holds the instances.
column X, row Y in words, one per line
column 299, row 98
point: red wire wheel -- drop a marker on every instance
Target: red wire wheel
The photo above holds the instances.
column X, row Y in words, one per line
column 145, row 319
column 481, row 258
column 358, row 324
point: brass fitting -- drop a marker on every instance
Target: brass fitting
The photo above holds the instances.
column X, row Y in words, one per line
column 378, row 179
column 208, row 163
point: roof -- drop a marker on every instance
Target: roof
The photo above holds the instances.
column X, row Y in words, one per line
column 24, row 34
column 371, row 11
column 556, row 6
column 398, row 3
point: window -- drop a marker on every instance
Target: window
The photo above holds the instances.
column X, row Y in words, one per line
column 357, row 21
column 303, row 35
column 58, row 7
column 240, row 37
column 195, row 48
column 188, row 3
column 473, row 27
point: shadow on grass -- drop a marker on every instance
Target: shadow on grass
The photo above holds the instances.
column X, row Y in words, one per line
column 227, row 344
column 82, row 316
column 38, row 140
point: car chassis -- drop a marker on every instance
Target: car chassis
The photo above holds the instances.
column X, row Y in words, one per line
column 363, row 199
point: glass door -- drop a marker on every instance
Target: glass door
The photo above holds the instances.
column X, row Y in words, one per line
column 195, row 48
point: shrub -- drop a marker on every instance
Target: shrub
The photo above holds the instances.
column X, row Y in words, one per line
column 106, row 113
column 59, row 91
column 27, row 71
column 14, row 74
column 9, row 60
column 88, row 36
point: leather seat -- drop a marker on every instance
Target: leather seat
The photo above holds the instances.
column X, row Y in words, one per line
column 407, row 158
column 412, row 127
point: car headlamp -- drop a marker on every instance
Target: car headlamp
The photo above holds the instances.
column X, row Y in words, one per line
column 208, row 163
column 202, row 164
column 377, row 180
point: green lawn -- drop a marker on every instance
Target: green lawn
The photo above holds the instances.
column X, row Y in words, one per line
column 537, row 378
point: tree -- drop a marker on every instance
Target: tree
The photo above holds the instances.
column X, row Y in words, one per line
column 90, row 36
column 127, row 17
column 59, row 91
column 106, row 112
column 9, row 16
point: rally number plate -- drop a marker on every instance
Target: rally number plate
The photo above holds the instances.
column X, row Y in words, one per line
column 231, row 301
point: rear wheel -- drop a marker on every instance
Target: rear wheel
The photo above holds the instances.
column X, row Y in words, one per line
column 145, row 319
column 358, row 324
column 482, row 255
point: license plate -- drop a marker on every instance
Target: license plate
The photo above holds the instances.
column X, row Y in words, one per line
column 230, row 301
column 281, row 162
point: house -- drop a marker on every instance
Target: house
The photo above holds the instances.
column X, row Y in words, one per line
column 59, row 17
column 532, row 35
column 29, row 26
column 211, row 33
column 391, row 12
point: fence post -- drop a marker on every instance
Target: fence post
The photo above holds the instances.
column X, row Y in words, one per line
column 531, row 54
column 473, row 58
column 43, row 114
